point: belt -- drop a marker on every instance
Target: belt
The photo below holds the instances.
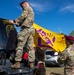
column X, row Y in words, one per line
column 22, row 27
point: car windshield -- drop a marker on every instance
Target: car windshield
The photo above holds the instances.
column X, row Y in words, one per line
column 49, row 53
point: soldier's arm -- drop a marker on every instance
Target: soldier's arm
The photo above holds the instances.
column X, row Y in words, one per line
column 62, row 56
column 22, row 17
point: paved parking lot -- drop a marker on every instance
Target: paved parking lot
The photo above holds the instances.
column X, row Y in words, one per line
column 55, row 70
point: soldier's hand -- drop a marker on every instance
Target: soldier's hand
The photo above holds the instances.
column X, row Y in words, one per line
column 11, row 21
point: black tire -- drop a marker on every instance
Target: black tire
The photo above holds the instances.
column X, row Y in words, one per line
column 59, row 65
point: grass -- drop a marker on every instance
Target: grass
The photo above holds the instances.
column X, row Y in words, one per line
column 55, row 71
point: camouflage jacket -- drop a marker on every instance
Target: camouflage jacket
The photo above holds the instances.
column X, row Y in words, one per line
column 67, row 56
column 70, row 51
column 26, row 18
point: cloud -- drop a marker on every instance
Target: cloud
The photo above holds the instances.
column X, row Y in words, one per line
column 41, row 7
column 19, row 8
column 67, row 8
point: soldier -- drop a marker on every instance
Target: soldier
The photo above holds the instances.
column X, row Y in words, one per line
column 26, row 34
column 67, row 56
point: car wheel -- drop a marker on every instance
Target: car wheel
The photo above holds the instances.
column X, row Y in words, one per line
column 60, row 65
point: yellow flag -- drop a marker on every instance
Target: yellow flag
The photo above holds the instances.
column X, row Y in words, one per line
column 47, row 38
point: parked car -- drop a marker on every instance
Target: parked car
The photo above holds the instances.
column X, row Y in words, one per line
column 51, row 58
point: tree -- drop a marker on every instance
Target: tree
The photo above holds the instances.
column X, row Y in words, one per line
column 72, row 33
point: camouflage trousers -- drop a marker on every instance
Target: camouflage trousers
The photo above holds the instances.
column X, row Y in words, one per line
column 69, row 72
column 68, row 67
column 25, row 39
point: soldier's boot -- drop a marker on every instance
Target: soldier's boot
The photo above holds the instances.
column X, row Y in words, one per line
column 16, row 65
column 31, row 64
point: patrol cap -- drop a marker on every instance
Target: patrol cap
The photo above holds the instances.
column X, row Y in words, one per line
column 23, row 2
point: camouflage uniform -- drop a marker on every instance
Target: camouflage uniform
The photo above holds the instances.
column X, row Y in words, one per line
column 26, row 34
column 67, row 57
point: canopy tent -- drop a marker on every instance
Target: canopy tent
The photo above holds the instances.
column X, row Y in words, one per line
column 3, row 36
column 8, row 35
